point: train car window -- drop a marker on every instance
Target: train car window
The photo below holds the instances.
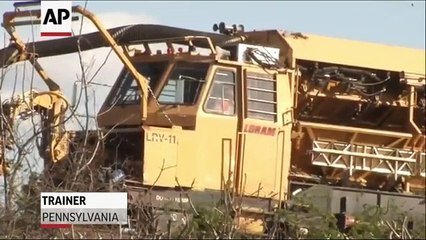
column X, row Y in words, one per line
column 221, row 98
column 128, row 91
column 261, row 96
column 184, row 83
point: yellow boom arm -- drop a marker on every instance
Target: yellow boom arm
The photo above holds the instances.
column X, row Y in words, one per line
column 9, row 22
column 51, row 106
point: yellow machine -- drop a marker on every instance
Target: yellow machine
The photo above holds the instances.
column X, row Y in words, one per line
column 338, row 116
column 262, row 114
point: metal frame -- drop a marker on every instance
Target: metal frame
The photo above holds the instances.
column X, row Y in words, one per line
column 368, row 158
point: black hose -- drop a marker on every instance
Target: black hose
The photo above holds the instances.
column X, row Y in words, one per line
column 372, row 84
column 269, row 61
column 328, row 69
column 231, row 41
column 131, row 34
column 360, row 85
column 360, row 72
column 370, row 94
column 339, row 70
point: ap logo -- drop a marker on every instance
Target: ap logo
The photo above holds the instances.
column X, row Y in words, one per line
column 56, row 18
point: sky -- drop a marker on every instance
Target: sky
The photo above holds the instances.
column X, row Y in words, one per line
column 389, row 22
column 393, row 23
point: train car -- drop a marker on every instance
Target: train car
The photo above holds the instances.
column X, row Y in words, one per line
column 261, row 115
column 269, row 113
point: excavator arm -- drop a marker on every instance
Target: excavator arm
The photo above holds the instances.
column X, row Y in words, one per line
column 9, row 23
column 52, row 105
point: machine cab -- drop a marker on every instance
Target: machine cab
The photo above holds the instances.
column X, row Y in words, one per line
column 176, row 74
column 209, row 111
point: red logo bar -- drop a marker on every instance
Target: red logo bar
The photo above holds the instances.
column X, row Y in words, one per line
column 55, row 225
column 56, row 34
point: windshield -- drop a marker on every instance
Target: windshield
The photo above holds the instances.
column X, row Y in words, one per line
column 128, row 91
column 184, row 83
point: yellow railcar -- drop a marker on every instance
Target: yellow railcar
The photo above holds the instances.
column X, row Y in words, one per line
column 262, row 114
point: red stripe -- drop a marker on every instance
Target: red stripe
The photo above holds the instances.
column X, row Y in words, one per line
column 56, row 34
column 55, row 225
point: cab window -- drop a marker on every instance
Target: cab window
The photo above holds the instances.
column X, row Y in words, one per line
column 221, row 98
column 128, row 92
column 184, row 83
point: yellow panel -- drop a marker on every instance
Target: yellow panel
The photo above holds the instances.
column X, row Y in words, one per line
column 160, row 156
column 285, row 106
column 354, row 53
column 217, row 153
column 259, row 177
column 187, row 163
